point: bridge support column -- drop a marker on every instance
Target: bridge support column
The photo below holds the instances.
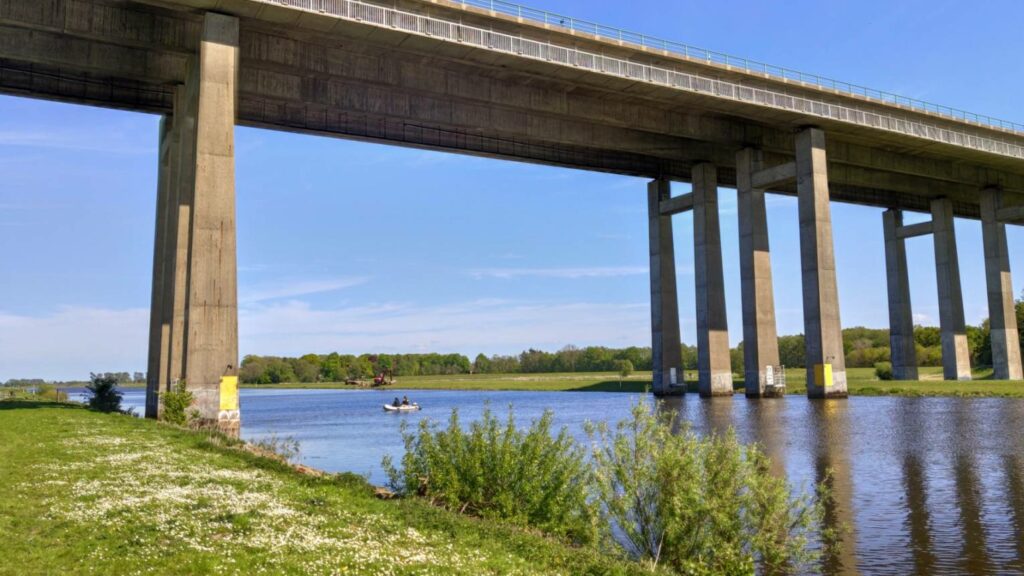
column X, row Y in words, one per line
column 826, row 363
column 760, row 337
column 1006, row 355
column 666, row 343
column 159, row 328
column 199, row 292
column 956, row 363
column 713, row 363
column 901, row 319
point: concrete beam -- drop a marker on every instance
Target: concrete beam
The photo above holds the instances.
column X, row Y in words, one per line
column 822, row 327
column 665, row 338
column 760, row 336
column 912, row 230
column 774, row 176
column 956, row 363
column 1006, row 354
column 713, row 364
column 901, row 318
column 677, row 205
column 1011, row 215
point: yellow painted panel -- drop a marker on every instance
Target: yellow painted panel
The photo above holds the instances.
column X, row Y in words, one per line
column 823, row 375
column 229, row 393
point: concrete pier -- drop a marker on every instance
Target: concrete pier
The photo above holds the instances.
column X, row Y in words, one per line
column 826, row 363
column 956, row 363
column 666, row 342
column 901, row 318
column 195, row 300
column 713, row 364
column 760, row 337
column 1006, row 355
column 156, row 366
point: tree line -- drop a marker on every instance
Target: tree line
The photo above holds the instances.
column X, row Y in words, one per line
column 863, row 348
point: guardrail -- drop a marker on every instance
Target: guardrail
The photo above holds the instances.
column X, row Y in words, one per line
column 419, row 24
column 744, row 64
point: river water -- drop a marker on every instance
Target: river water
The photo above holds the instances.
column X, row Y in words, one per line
column 924, row 485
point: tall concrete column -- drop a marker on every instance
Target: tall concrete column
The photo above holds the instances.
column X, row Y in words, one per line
column 901, row 319
column 956, row 362
column 666, row 343
column 760, row 336
column 713, row 365
column 212, row 346
column 822, row 328
column 198, row 293
column 1006, row 362
column 156, row 366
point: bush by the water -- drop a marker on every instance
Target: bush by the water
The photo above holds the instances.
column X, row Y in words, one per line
column 667, row 498
column 176, row 404
column 883, row 370
column 103, row 393
column 51, row 393
column 495, row 470
column 700, row 505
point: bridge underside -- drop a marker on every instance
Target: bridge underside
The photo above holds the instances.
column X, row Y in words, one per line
column 283, row 69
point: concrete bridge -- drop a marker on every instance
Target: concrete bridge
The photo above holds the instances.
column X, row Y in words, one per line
column 494, row 79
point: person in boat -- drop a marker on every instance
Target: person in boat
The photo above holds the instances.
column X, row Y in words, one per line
column 405, row 400
column 396, row 403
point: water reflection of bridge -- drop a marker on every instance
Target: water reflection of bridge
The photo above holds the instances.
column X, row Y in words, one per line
column 954, row 504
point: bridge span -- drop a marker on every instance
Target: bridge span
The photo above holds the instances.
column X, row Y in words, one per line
column 498, row 80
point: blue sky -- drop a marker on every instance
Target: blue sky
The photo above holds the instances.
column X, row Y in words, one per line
column 357, row 247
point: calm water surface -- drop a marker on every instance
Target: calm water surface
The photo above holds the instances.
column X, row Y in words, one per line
column 925, row 485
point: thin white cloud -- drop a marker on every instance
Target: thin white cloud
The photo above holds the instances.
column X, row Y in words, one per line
column 74, row 341
column 489, row 326
column 111, row 143
column 295, row 289
column 71, row 342
column 561, row 273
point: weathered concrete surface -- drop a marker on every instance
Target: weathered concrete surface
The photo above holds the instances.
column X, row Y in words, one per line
column 822, row 328
column 1006, row 356
column 956, row 360
column 156, row 367
column 212, row 346
column 666, row 343
column 901, row 318
column 713, row 365
column 315, row 73
column 760, row 337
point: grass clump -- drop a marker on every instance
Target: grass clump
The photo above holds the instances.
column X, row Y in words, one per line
column 495, row 470
column 176, row 404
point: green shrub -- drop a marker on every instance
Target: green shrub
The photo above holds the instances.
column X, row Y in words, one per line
column 103, row 393
column 51, row 393
column 494, row 470
column 883, row 370
column 697, row 505
column 176, row 404
column 624, row 368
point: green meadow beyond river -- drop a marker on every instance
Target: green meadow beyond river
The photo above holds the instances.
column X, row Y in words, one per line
column 922, row 485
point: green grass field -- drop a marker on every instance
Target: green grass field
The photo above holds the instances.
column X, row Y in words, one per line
column 860, row 382
column 89, row 493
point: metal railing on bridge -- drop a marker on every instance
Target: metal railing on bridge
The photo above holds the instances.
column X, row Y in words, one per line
column 569, row 56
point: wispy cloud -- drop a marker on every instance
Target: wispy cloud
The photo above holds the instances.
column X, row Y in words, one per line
column 561, row 273
column 91, row 339
column 293, row 289
column 111, row 143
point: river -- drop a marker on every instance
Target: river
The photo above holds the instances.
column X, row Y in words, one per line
column 924, row 485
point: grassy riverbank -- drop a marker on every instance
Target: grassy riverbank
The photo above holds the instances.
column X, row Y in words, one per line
column 861, row 382
column 83, row 492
